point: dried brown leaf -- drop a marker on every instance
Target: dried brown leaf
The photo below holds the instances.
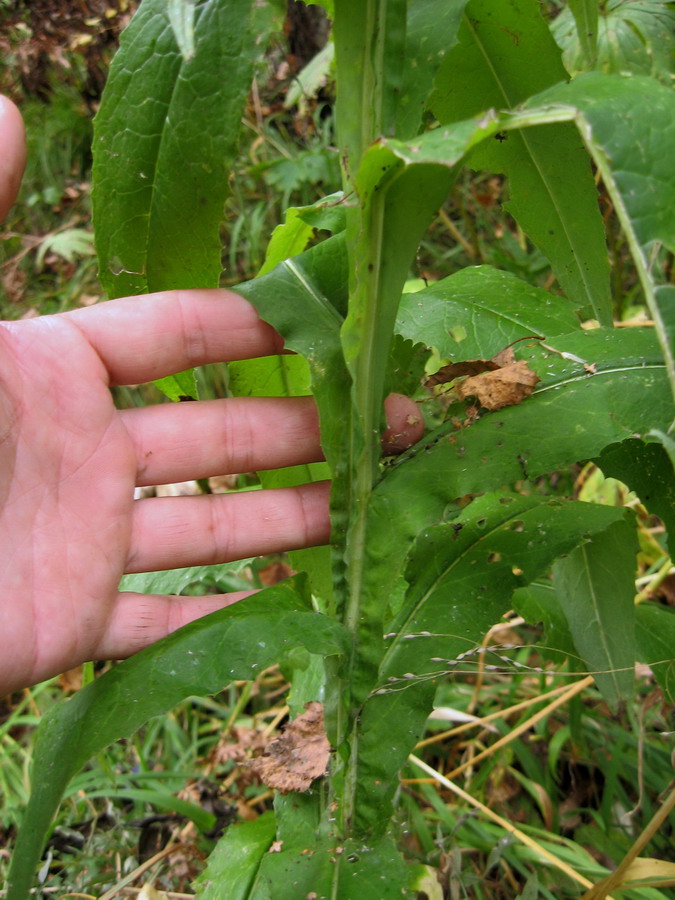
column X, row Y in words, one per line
column 294, row 760
column 506, row 386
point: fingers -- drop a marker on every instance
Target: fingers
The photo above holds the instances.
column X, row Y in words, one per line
column 405, row 424
column 173, row 532
column 143, row 338
column 139, row 620
column 182, row 441
column 12, row 153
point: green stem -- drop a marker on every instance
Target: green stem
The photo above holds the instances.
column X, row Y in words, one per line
column 365, row 31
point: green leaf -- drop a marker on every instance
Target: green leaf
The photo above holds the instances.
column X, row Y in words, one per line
column 235, row 860
column 585, row 13
column 175, row 581
column 627, row 124
column 631, row 121
column 300, row 222
column 287, row 376
column 71, row 244
column 182, row 386
column 478, row 311
column 506, row 54
column 596, row 588
column 461, row 575
column 352, row 870
column 648, row 470
column 655, row 633
column 201, row 658
column 538, row 604
column 203, row 819
column 571, row 416
column 299, row 298
column 431, row 32
column 635, row 36
column 182, row 18
column 162, row 114
column 369, row 45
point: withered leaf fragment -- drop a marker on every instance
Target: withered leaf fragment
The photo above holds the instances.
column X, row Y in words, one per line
column 292, row 761
column 506, row 386
column 470, row 367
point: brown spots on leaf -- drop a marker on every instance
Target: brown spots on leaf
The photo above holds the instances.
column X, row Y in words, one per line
column 294, row 760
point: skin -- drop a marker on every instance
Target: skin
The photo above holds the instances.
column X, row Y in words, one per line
column 69, row 463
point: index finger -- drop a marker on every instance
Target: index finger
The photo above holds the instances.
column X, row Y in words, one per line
column 143, row 338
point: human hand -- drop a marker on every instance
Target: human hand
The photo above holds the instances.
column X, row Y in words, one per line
column 69, row 463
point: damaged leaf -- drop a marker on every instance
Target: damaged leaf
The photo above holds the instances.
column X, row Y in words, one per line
column 294, row 760
column 495, row 383
column 504, row 387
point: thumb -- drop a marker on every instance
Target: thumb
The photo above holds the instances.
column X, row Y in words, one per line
column 12, row 153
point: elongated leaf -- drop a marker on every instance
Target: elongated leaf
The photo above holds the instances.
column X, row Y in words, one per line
column 167, row 110
column 233, row 864
column 506, row 54
column 648, row 470
column 201, row 658
column 287, row 376
column 462, row 575
column 631, row 121
column 369, row 45
column 655, row 632
column 431, row 32
column 596, row 587
column 175, row 581
column 627, row 125
column 162, row 114
column 477, row 312
column 635, row 36
column 571, row 416
column 585, row 13
column 299, row 298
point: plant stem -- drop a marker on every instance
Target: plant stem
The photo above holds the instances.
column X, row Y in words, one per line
column 366, row 32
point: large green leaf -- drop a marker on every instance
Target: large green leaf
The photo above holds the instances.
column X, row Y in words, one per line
column 632, row 36
column 655, row 633
column 571, row 416
column 595, row 584
column 505, row 55
column 461, row 575
column 477, row 312
column 201, row 658
column 628, row 126
column 166, row 109
column 163, row 114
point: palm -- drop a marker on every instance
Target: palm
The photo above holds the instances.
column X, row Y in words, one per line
column 69, row 461
column 67, row 474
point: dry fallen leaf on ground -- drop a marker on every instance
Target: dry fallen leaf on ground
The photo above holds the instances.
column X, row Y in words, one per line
column 504, row 387
column 292, row 761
